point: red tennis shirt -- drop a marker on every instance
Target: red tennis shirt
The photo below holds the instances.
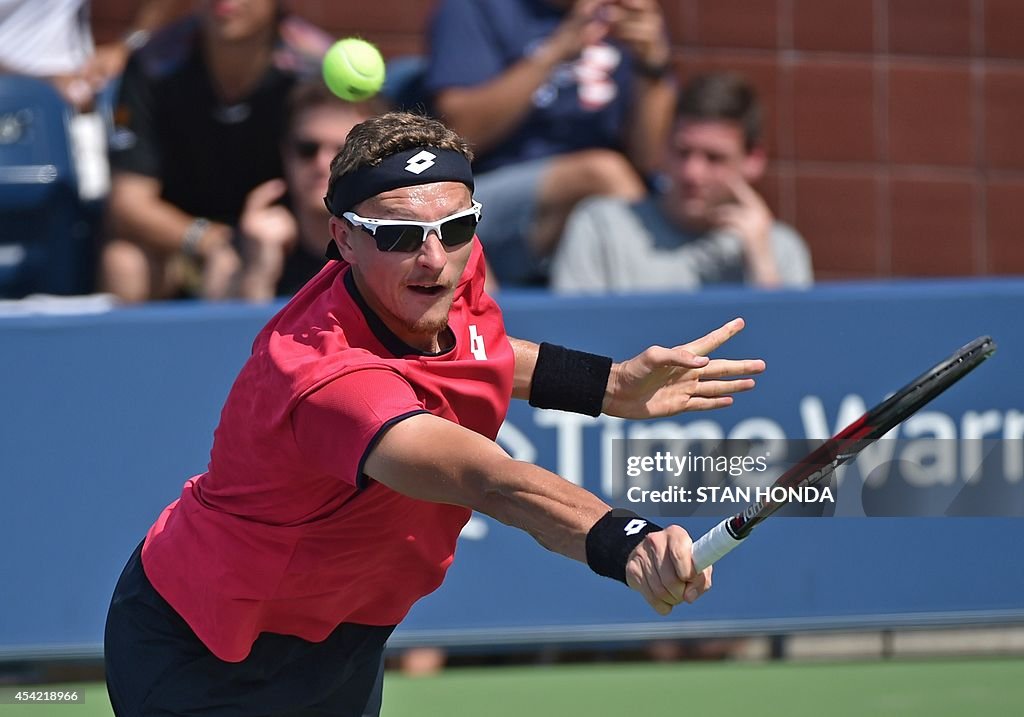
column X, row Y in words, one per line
column 284, row 533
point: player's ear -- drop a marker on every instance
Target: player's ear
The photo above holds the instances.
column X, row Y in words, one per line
column 754, row 164
column 341, row 233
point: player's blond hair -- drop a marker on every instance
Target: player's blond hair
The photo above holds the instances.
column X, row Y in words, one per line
column 379, row 137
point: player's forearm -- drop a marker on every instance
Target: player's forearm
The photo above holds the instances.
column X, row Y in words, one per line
column 561, row 378
column 432, row 459
column 555, row 512
column 526, row 361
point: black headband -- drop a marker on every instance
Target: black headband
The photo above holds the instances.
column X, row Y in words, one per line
column 420, row 165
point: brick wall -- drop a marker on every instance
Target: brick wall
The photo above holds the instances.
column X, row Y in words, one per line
column 894, row 126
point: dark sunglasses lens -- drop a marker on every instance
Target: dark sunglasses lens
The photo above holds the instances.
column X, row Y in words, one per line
column 306, row 149
column 456, row 232
column 399, row 238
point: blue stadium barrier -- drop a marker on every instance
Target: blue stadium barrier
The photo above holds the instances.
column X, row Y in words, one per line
column 105, row 416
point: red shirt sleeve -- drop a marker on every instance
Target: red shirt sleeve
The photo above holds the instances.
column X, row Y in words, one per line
column 337, row 425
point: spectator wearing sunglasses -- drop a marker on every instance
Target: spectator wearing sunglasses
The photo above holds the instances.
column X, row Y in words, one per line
column 561, row 99
column 354, row 445
column 283, row 227
column 199, row 120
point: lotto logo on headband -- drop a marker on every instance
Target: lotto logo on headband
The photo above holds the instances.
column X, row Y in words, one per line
column 420, row 162
column 407, row 168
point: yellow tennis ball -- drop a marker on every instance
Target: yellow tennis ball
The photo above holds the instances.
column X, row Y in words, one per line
column 353, row 69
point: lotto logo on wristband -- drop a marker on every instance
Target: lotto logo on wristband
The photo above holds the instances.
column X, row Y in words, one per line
column 634, row 526
column 611, row 540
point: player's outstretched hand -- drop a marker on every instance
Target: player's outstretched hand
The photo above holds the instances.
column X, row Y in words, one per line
column 664, row 382
column 661, row 569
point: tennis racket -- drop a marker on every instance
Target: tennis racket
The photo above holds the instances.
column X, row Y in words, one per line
column 821, row 463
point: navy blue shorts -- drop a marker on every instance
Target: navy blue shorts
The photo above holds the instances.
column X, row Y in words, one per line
column 156, row 665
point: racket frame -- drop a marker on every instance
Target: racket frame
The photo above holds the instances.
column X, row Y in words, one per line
column 822, row 462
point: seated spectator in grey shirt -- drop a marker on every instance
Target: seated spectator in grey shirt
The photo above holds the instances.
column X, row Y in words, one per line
column 709, row 226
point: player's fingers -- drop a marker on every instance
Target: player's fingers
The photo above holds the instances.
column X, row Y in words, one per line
column 660, row 598
column 728, row 368
column 711, row 341
column 685, row 586
column 665, row 599
column 666, row 586
column 669, row 582
column 638, row 576
column 713, row 389
column 657, row 356
column 697, row 403
column 680, row 558
column 672, row 406
column 698, row 586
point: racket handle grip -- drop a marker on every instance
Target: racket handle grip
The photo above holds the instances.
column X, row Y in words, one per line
column 713, row 545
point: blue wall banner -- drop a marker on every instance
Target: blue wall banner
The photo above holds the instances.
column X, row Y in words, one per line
column 106, row 415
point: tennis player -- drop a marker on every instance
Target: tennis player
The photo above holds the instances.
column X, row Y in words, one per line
column 356, row 441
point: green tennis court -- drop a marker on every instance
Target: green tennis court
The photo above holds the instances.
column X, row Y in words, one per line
column 934, row 688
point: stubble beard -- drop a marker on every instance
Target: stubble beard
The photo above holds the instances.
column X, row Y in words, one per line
column 430, row 326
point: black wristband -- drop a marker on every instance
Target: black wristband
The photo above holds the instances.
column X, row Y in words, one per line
column 569, row 380
column 613, row 538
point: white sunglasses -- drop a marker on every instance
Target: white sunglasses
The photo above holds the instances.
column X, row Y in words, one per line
column 402, row 235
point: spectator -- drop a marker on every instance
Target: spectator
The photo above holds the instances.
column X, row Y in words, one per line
column 709, row 227
column 283, row 226
column 561, row 100
column 52, row 39
column 199, row 121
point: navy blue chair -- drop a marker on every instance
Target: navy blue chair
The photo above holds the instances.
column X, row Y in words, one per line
column 45, row 233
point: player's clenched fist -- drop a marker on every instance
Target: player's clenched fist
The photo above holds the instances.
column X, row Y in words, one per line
column 661, row 569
